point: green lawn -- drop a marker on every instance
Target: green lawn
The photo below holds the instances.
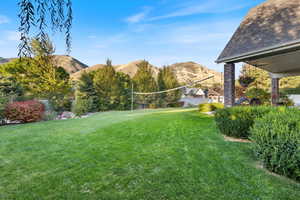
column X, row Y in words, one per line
column 162, row 154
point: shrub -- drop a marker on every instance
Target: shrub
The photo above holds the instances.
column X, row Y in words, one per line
column 276, row 139
column 237, row 121
column 3, row 103
column 61, row 104
column 82, row 106
column 209, row 107
column 257, row 93
column 25, row 112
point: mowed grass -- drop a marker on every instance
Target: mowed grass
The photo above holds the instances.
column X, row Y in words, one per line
column 162, row 154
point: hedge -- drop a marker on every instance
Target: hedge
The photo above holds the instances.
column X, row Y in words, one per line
column 276, row 140
column 25, row 112
column 237, row 121
column 210, row 107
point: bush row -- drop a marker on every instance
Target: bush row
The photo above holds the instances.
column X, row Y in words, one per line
column 24, row 112
column 276, row 141
column 210, row 107
column 237, row 121
column 274, row 131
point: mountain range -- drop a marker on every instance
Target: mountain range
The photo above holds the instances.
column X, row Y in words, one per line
column 186, row 72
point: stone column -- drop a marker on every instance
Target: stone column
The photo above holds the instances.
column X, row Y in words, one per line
column 229, row 84
column 275, row 91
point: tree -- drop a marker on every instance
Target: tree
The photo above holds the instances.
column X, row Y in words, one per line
column 125, row 91
column 10, row 88
column 34, row 16
column 144, row 82
column 40, row 77
column 167, row 80
column 263, row 80
column 109, row 88
column 86, row 99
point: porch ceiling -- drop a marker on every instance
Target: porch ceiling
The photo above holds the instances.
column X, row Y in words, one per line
column 287, row 63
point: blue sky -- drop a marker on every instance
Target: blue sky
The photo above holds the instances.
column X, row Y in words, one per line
column 160, row 31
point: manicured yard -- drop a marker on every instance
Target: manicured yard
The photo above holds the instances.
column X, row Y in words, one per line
column 162, row 154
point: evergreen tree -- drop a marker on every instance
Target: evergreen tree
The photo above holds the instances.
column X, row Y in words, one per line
column 144, row 82
column 125, row 89
column 86, row 92
column 167, row 80
column 107, row 87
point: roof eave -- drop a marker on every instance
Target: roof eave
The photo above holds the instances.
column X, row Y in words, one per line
column 286, row 47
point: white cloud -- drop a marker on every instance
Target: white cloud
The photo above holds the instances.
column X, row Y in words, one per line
column 208, row 7
column 138, row 17
column 4, row 19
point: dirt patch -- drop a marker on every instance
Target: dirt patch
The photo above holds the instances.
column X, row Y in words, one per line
column 231, row 139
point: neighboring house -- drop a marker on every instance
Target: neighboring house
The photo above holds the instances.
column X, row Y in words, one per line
column 215, row 97
column 193, row 97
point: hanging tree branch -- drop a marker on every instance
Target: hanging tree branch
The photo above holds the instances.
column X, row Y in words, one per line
column 43, row 16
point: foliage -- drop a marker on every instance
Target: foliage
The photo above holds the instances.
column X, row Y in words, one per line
column 61, row 103
column 237, row 121
column 111, row 88
column 86, row 92
column 210, row 107
column 261, row 94
column 277, row 140
column 245, row 81
column 25, row 112
column 9, row 90
column 263, row 80
column 285, row 100
column 167, row 80
column 144, row 82
column 3, row 103
column 125, row 83
column 9, row 87
column 38, row 76
column 34, row 16
column 82, row 106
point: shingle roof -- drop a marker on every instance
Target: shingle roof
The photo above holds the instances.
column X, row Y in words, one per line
column 272, row 24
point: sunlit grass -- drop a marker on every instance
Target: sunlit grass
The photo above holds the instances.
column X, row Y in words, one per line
column 147, row 154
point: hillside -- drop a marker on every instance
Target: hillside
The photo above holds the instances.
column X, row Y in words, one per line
column 4, row 60
column 70, row 64
column 185, row 72
column 130, row 69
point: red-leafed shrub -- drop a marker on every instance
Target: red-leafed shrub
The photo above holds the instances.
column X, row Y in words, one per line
column 25, row 111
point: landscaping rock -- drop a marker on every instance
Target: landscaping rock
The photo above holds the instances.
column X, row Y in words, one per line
column 67, row 115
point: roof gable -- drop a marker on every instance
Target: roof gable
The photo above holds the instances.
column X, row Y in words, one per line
column 272, row 24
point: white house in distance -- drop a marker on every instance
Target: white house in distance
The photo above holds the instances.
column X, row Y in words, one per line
column 195, row 96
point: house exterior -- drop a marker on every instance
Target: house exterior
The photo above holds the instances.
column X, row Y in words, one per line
column 267, row 38
column 196, row 96
column 193, row 97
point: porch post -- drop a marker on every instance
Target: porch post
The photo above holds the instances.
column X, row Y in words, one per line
column 275, row 91
column 229, row 84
